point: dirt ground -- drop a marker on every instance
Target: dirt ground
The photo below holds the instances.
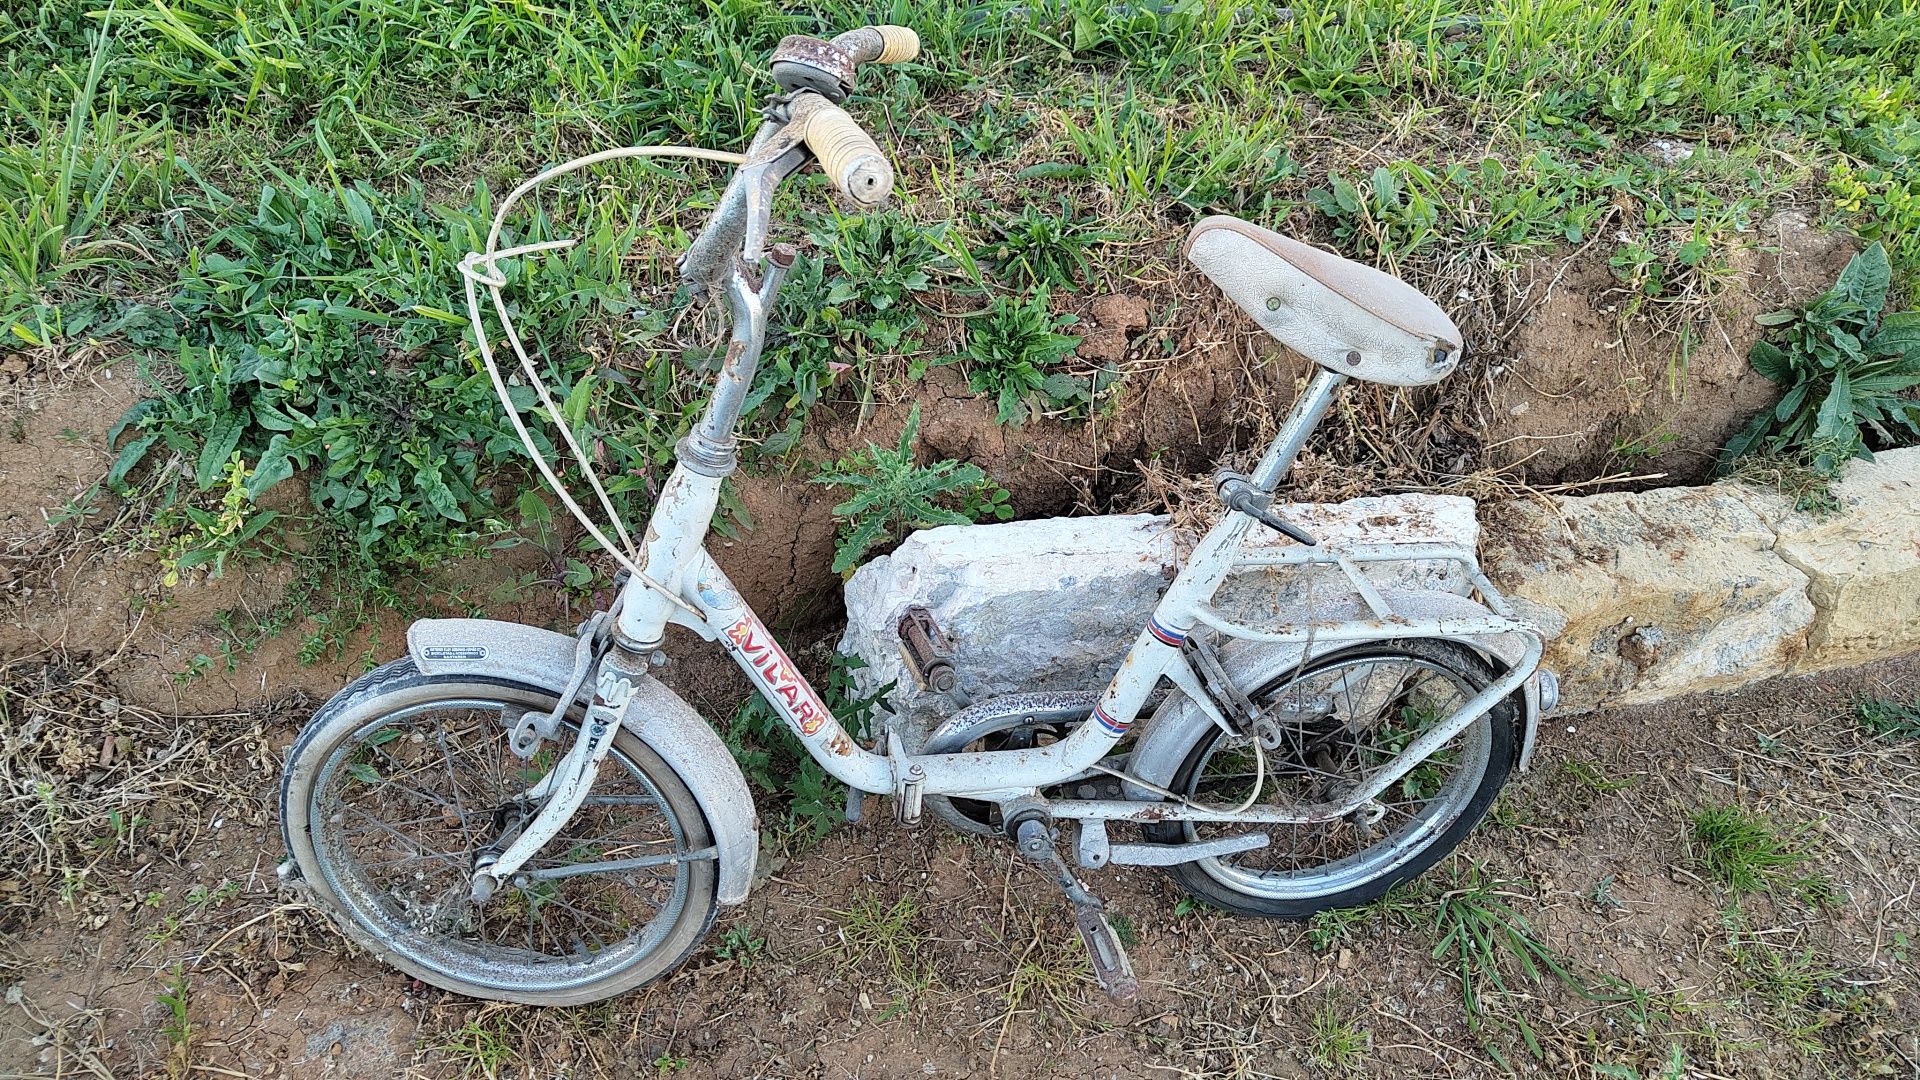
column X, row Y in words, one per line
column 167, row 948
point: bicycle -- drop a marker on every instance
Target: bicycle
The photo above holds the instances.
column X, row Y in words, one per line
column 512, row 813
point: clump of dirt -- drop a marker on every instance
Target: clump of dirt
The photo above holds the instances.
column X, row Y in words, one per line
column 1115, row 320
column 1593, row 386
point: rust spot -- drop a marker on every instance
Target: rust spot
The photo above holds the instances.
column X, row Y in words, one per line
column 840, row 745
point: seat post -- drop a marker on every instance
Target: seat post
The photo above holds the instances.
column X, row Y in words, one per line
column 1306, row 415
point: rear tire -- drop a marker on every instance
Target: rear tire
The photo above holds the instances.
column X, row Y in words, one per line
column 1410, row 679
column 401, row 776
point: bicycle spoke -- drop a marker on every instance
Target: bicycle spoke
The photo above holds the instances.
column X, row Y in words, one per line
column 405, row 832
column 1342, row 727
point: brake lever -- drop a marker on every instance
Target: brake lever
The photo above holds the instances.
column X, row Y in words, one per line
column 1239, row 493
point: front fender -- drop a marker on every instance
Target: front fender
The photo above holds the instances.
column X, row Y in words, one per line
column 656, row 716
column 1177, row 723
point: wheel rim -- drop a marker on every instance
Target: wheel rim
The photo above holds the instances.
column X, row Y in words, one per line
column 1341, row 723
column 400, row 806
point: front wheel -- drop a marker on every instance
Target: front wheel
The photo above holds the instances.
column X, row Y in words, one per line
column 1340, row 719
column 401, row 779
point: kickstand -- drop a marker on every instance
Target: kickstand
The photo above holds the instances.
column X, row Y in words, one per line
column 1110, row 964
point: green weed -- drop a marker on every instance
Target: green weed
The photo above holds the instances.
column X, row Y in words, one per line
column 265, row 201
column 1805, row 1001
column 884, row 262
column 1844, row 369
column 1389, row 211
column 177, row 1025
column 1749, row 854
column 1038, row 248
column 892, row 496
column 1015, row 352
column 1673, row 1068
column 740, row 945
column 1888, row 718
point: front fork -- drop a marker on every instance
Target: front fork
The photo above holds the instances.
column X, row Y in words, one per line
column 564, row 788
column 675, row 532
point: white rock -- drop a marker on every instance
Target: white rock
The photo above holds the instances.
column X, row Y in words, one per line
column 1862, row 563
column 1053, row 604
column 1651, row 594
column 1028, row 605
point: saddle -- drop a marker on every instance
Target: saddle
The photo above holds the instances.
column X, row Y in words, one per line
column 1340, row 314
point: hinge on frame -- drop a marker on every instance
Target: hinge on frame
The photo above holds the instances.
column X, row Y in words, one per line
column 1240, row 714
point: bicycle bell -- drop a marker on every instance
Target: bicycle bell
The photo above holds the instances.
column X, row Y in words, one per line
column 808, row 63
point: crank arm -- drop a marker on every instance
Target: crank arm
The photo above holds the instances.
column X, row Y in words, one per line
column 566, row 787
column 1111, row 968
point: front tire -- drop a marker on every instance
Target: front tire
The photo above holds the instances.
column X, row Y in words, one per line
column 397, row 781
column 1347, row 713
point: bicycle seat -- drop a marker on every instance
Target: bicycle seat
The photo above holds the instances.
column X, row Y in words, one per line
column 1340, row 314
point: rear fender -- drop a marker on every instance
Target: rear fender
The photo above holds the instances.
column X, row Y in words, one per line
column 656, row 716
column 1177, row 723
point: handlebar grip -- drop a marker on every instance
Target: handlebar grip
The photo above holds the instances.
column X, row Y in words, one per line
column 883, row 44
column 848, row 155
column 898, row 44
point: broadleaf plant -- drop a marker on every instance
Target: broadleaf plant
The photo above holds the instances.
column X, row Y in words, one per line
column 892, row 496
column 1015, row 351
column 1844, row 369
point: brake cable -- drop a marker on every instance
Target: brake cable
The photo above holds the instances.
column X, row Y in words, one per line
column 482, row 268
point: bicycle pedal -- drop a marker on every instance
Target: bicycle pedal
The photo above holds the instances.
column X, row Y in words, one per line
column 1110, row 964
column 1111, row 968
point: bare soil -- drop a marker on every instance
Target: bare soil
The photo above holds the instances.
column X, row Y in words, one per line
column 1594, row 384
column 981, row 975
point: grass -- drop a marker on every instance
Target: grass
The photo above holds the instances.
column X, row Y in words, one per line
column 1336, row 1041
column 1484, row 935
column 1807, row 1002
column 1748, row 854
column 1593, row 776
column 887, row 939
column 483, row 1046
column 265, row 202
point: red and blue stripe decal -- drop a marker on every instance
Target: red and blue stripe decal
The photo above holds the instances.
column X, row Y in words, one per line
column 1174, row 638
column 1112, row 726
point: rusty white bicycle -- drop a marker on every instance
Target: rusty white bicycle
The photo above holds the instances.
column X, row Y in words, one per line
column 512, row 813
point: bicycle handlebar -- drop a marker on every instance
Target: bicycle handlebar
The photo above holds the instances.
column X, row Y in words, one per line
column 819, row 75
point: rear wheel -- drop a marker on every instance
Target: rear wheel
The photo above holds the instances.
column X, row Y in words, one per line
column 1340, row 719
column 401, row 779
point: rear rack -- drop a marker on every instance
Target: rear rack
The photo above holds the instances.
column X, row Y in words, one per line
column 1386, row 621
